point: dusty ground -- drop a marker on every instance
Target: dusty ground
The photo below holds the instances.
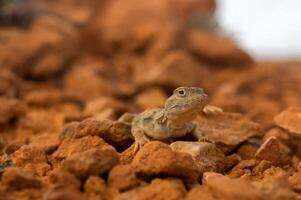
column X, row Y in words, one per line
column 69, row 73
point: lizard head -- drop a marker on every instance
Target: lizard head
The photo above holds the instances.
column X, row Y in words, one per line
column 185, row 103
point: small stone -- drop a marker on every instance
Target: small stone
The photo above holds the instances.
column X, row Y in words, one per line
column 17, row 179
column 279, row 133
column 206, row 155
column 273, row 151
column 158, row 159
column 158, row 189
column 261, row 167
column 201, row 192
column 95, row 161
column 247, row 151
column 123, row 177
column 290, row 120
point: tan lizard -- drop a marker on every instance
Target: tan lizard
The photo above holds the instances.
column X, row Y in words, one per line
column 174, row 120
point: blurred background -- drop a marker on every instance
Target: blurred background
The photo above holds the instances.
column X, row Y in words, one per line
column 268, row 29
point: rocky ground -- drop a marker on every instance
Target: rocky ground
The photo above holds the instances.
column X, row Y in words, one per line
column 72, row 72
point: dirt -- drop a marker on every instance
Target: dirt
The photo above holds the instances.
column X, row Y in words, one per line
column 74, row 74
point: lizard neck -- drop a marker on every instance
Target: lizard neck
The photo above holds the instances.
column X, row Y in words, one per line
column 175, row 119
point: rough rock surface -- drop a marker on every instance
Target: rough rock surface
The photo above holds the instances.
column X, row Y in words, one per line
column 228, row 130
column 206, row 156
column 158, row 159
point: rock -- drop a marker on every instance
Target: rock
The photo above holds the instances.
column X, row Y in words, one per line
column 216, row 49
column 65, row 193
column 200, row 192
column 17, row 179
column 206, row 156
column 100, row 106
column 158, row 189
column 71, row 146
column 32, row 159
column 275, row 185
column 151, row 98
column 48, row 147
column 290, row 120
column 158, row 159
column 279, row 133
column 127, row 117
column 85, row 83
column 10, row 109
column 95, row 161
column 61, row 179
column 39, row 48
column 123, row 177
column 227, row 188
column 227, row 130
column 127, row 156
column 247, row 151
column 242, row 168
column 210, row 175
column 182, row 69
column 10, row 84
column 273, row 151
column 114, row 132
column 95, row 185
column 295, row 181
column 261, row 167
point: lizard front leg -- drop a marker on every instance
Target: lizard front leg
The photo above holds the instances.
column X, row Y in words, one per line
column 197, row 132
column 140, row 138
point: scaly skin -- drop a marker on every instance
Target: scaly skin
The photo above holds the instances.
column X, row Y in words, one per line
column 174, row 120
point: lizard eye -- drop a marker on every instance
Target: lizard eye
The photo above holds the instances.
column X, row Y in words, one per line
column 181, row 93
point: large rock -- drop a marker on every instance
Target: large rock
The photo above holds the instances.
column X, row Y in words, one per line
column 228, row 130
column 114, row 132
column 158, row 189
column 216, row 49
column 206, row 156
column 71, row 146
column 158, row 159
column 91, row 162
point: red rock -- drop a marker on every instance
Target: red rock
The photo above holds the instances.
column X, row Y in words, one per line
column 206, row 156
column 247, row 151
column 216, row 49
column 123, row 177
column 182, row 69
column 17, row 179
column 279, row 133
column 158, row 189
column 71, row 146
column 49, row 146
column 10, row 109
column 114, row 132
column 151, row 98
column 295, row 181
column 91, row 162
column 61, row 179
column 62, row 194
column 228, row 130
column 105, row 108
column 95, row 185
column 273, row 151
column 200, row 192
column 158, row 159
column 290, row 120
column 228, row 188
column 31, row 159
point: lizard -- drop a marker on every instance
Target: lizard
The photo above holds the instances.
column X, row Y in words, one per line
column 174, row 120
